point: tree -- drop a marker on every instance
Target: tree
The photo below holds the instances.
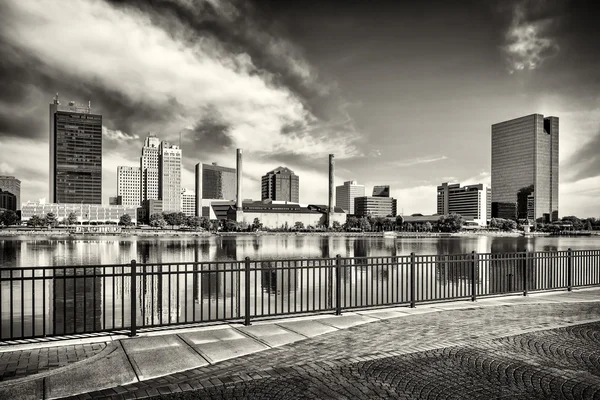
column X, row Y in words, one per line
column 427, row 226
column 8, row 217
column 125, row 220
column 51, row 220
column 364, row 224
column 71, row 219
column 230, row 226
column 576, row 222
column 409, row 227
column 157, row 221
column 336, row 226
column 35, row 221
column 399, row 221
column 299, row 225
column 450, row 223
column 193, row 222
column 256, row 224
column 588, row 225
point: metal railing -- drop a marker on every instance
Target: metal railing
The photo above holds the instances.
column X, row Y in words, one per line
column 72, row 300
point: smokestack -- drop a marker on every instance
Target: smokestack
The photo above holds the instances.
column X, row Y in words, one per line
column 331, row 179
column 198, row 190
column 239, row 180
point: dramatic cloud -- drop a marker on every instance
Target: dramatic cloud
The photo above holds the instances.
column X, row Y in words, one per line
column 210, row 70
column 528, row 43
column 417, row 161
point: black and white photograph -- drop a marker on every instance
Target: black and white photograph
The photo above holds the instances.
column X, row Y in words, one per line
column 299, row 199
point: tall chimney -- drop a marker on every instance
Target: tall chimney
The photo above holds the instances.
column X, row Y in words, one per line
column 198, row 189
column 331, row 179
column 239, row 180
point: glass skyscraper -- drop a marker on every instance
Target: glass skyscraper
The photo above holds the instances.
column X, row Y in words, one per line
column 525, row 168
column 75, row 154
column 218, row 182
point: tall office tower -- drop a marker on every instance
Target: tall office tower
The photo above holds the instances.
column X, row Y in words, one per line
column 381, row 191
column 12, row 185
column 281, row 184
column 346, row 193
column 169, row 173
column 525, row 168
column 188, row 202
column 218, row 182
column 470, row 201
column 128, row 185
column 75, row 154
column 149, row 169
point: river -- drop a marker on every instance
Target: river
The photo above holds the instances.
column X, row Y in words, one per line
column 30, row 251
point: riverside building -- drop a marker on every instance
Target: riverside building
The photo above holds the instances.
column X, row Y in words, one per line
column 75, row 154
column 472, row 202
column 128, row 185
column 346, row 193
column 12, row 185
column 525, row 168
column 86, row 213
column 375, row 206
column 188, row 202
column 281, row 184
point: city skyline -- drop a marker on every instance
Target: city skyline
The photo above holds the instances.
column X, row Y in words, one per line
column 307, row 85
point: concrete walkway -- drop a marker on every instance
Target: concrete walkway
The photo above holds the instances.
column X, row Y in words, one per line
column 123, row 367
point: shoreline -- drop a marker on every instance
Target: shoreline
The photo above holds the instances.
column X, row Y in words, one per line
column 173, row 233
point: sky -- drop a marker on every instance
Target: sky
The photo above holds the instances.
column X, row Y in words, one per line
column 403, row 93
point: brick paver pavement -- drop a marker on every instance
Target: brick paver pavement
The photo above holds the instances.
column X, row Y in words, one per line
column 558, row 363
column 329, row 366
column 21, row 363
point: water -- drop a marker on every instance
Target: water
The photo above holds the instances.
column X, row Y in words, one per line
column 42, row 251
column 90, row 299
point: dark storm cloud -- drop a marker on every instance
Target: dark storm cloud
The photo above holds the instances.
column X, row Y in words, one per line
column 23, row 78
column 211, row 133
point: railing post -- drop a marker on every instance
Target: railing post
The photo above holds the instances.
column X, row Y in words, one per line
column 133, row 299
column 338, row 285
column 569, row 269
column 525, row 270
column 473, row 276
column 247, row 291
column 412, row 280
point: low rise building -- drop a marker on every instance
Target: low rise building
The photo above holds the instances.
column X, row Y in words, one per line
column 188, row 202
column 375, row 206
column 282, row 215
column 472, row 202
column 86, row 213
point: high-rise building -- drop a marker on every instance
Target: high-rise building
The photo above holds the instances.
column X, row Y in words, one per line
column 75, row 154
column 375, row 206
column 525, row 168
column 170, row 177
column 8, row 201
column 472, row 202
column 188, row 202
column 128, row 185
column 381, row 191
column 281, row 184
column 149, row 162
column 346, row 193
column 218, row 182
column 12, row 185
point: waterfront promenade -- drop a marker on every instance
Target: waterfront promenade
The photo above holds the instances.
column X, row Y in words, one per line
column 545, row 345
